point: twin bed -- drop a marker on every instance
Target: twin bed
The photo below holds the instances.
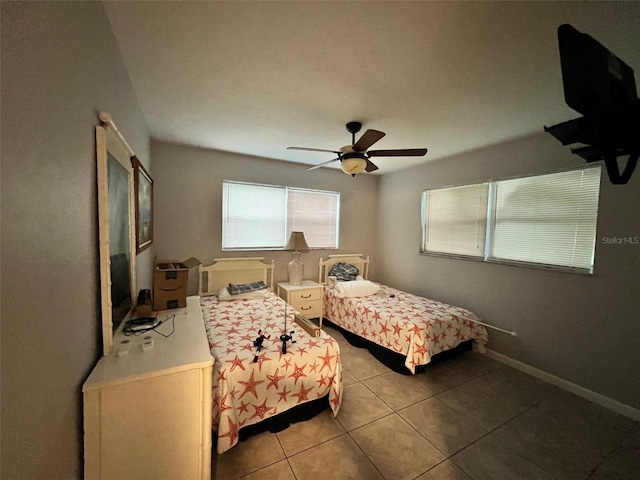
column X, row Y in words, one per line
column 266, row 389
column 258, row 386
column 402, row 330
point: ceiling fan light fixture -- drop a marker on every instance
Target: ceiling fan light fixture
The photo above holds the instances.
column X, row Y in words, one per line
column 353, row 163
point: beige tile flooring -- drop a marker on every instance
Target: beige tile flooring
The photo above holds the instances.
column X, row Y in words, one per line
column 468, row 417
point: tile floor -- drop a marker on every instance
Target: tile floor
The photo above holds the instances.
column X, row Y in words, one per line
column 468, row 417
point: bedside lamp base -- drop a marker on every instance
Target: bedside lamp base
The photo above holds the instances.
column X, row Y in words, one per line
column 295, row 269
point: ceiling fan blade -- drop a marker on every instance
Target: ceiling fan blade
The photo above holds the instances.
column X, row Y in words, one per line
column 367, row 139
column 370, row 167
column 323, row 164
column 409, row 152
column 312, row 149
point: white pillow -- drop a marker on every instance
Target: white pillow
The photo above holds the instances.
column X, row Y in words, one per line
column 332, row 281
column 224, row 295
column 356, row 288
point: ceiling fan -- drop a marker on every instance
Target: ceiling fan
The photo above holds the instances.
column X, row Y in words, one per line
column 354, row 158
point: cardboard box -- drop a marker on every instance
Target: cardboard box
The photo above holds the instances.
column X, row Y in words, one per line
column 170, row 281
column 311, row 328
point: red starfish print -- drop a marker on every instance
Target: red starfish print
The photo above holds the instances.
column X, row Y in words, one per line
column 312, row 344
column 233, row 392
column 335, row 400
column 248, row 337
column 384, row 329
column 326, row 359
column 223, row 403
column 287, row 363
column 250, row 386
column 459, row 334
column 321, row 381
column 231, row 331
column 420, row 350
column 244, row 407
column 273, row 380
column 261, row 359
column 236, row 362
column 232, row 433
column 303, row 393
column 283, row 394
column 298, row 372
column 261, row 410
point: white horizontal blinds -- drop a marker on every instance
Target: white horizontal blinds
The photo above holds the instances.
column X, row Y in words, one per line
column 548, row 219
column 455, row 220
column 253, row 216
column 316, row 214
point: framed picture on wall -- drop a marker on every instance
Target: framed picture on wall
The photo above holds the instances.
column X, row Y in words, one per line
column 143, row 189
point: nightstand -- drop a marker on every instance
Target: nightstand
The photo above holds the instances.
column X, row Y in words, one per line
column 305, row 298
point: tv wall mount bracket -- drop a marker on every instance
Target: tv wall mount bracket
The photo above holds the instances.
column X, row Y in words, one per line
column 607, row 136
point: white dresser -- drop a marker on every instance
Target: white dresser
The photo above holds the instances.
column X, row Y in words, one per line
column 147, row 415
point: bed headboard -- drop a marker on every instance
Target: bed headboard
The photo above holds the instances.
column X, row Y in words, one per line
column 356, row 259
column 224, row 271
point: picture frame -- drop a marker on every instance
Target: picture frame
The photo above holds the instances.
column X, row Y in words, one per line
column 143, row 188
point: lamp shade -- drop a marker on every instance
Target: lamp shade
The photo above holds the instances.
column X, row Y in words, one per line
column 297, row 243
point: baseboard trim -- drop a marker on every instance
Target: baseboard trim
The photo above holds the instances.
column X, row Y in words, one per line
column 590, row 395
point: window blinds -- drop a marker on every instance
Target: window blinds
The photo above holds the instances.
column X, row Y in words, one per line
column 455, row 220
column 262, row 217
column 316, row 214
column 547, row 219
column 253, row 216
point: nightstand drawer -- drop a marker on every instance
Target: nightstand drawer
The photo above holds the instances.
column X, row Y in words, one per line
column 310, row 309
column 305, row 295
column 306, row 298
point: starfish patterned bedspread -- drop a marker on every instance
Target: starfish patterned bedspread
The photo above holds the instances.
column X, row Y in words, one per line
column 413, row 326
column 246, row 392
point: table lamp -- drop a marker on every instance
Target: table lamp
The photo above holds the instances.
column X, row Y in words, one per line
column 296, row 244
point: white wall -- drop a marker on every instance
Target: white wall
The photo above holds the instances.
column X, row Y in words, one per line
column 60, row 67
column 581, row 328
column 188, row 202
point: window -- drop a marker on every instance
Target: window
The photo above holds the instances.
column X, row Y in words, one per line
column 262, row 217
column 547, row 220
column 455, row 219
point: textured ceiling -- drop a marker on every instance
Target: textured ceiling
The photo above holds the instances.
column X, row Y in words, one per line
column 256, row 77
